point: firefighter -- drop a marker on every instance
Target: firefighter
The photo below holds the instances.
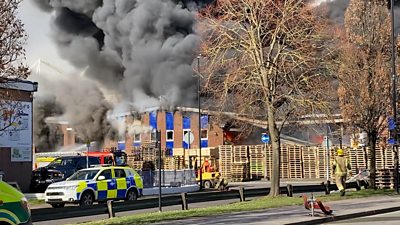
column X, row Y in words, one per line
column 341, row 166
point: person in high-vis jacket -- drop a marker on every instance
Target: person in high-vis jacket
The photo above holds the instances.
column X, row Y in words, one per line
column 341, row 166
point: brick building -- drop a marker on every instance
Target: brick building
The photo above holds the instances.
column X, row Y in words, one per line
column 16, row 111
column 179, row 130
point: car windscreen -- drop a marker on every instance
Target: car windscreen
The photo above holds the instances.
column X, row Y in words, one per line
column 84, row 175
column 62, row 162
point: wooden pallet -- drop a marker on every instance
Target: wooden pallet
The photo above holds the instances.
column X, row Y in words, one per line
column 384, row 179
column 257, row 162
column 137, row 165
column 295, row 162
column 225, row 161
column 240, row 153
column 268, row 161
column 240, row 171
column 309, row 156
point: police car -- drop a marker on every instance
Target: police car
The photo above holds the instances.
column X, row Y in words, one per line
column 96, row 184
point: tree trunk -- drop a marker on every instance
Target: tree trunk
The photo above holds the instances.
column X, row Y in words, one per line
column 276, row 145
column 372, row 166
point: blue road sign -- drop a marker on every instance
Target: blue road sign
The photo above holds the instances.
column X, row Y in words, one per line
column 265, row 138
column 391, row 123
column 391, row 141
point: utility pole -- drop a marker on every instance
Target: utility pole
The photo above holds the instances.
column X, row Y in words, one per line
column 199, row 106
column 87, row 153
column 159, row 170
column 394, row 101
column 327, row 154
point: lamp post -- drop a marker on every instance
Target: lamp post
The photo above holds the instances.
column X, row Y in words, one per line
column 394, row 100
column 199, row 106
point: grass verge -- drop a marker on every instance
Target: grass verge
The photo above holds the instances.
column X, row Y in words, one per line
column 36, row 201
column 260, row 203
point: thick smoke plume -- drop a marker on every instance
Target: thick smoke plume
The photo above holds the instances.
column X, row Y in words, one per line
column 138, row 51
column 336, row 10
column 82, row 107
column 135, row 49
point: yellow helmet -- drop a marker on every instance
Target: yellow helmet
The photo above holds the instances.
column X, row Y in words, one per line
column 340, row 152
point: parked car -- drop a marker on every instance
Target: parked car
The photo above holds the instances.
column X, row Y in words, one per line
column 96, row 184
column 14, row 208
column 58, row 170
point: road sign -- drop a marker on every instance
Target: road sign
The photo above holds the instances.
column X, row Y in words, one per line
column 188, row 138
column 265, row 138
column 391, row 141
column 391, row 123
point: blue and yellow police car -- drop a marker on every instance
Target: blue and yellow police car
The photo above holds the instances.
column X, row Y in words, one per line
column 96, row 184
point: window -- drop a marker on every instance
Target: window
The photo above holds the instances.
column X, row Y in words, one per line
column 108, row 160
column 119, row 173
column 136, row 138
column 106, row 174
column 84, row 175
column 204, row 134
column 170, row 135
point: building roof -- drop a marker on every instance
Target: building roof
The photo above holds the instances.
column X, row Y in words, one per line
column 19, row 84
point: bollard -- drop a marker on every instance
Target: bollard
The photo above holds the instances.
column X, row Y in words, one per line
column 327, row 191
column 241, row 193
column 184, row 201
column 289, row 190
column 358, row 185
column 110, row 210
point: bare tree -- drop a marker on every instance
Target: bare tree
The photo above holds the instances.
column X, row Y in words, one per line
column 364, row 70
column 264, row 60
column 12, row 54
column 12, row 41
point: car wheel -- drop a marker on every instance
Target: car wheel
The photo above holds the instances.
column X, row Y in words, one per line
column 131, row 196
column 87, row 198
column 57, row 205
column 207, row 184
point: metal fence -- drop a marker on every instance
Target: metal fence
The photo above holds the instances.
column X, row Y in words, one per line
column 169, row 178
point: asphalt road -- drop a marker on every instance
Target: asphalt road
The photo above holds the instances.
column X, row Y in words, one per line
column 382, row 219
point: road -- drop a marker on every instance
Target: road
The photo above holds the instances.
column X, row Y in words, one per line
column 382, row 219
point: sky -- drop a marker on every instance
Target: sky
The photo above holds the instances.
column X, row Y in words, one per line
column 39, row 43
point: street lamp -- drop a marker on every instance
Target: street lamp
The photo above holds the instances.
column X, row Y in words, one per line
column 199, row 106
column 394, row 100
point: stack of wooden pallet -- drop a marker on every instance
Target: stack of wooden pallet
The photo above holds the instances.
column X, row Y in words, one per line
column 384, row 179
column 137, row 165
column 295, row 162
column 168, row 163
column 322, row 161
column 225, row 161
column 179, row 162
column 359, row 158
column 388, row 157
column 148, row 153
column 309, row 163
column 240, row 171
column 268, row 161
column 284, row 158
column 257, row 162
column 240, row 153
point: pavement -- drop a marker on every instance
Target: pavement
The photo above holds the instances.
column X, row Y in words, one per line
column 296, row 215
